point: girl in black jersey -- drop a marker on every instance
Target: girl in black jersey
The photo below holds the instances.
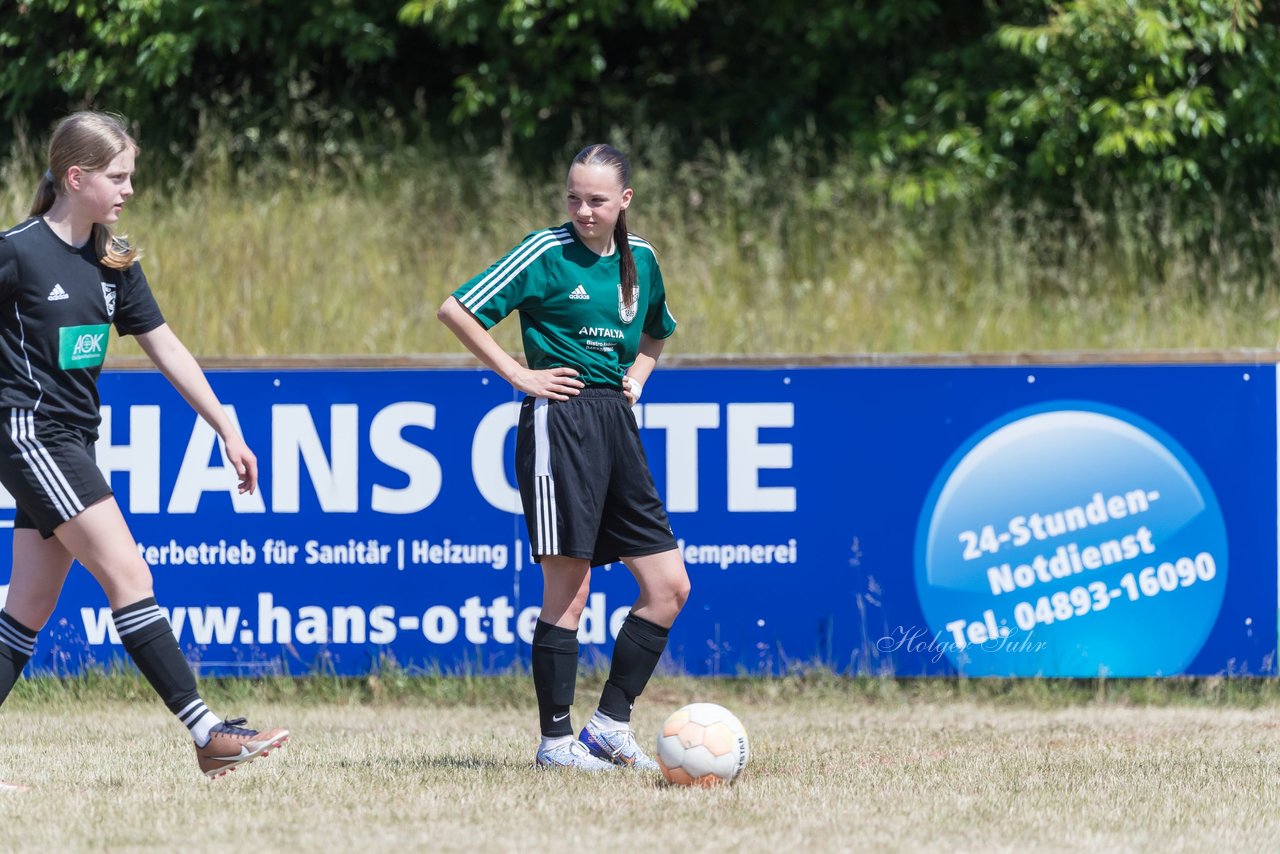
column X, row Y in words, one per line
column 594, row 318
column 65, row 279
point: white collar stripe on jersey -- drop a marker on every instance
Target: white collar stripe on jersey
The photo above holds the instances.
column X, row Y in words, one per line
column 512, row 266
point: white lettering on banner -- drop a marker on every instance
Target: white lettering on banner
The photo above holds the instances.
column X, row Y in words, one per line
column 425, row 552
column 208, row 625
column 480, row 623
column 334, row 471
column 140, row 458
column 98, row 626
column 348, row 623
column 196, row 476
column 350, row 552
column 392, row 448
column 488, row 462
column 681, row 421
column 747, row 455
column 294, row 435
column 200, row 554
column 1070, row 559
column 725, row 556
column 500, row 614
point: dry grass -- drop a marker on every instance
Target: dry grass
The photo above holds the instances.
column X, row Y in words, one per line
column 831, row 770
column 758, row 260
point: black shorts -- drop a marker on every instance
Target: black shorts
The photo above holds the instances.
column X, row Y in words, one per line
column 585, row 482
column 49, row 469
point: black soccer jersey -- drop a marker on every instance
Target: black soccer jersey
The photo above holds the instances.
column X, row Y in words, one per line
column 57, row 304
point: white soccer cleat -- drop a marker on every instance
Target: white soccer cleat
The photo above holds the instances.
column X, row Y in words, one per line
column 573, row 755
column 12, row 788
column 617, row 747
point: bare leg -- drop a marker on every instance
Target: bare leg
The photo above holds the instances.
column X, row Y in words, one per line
column 100, row 539
column 566, row 582
column 664, row 586
column 40, row 569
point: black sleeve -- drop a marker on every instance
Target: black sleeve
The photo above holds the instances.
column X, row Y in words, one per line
column 136, row 308
column 8, row 271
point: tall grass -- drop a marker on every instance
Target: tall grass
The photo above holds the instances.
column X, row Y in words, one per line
column 774, row 255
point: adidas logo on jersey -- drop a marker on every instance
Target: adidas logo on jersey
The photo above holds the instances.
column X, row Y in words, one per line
column 578, row 293
column 58, row 293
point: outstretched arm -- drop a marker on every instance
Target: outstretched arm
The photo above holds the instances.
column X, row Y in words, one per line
column 181, row 369
column 554, row 383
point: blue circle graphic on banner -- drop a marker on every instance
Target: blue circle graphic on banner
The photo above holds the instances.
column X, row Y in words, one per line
column 1071, row 539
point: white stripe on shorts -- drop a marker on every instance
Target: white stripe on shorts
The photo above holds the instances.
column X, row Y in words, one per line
column 22, row 429
column 544, row 485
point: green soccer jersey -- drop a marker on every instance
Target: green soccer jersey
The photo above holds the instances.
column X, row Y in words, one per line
column 570, row 303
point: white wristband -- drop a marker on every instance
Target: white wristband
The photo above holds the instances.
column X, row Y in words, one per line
column 635, row 387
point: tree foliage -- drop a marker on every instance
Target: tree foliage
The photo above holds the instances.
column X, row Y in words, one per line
column 934, row 99
column 1142, row 88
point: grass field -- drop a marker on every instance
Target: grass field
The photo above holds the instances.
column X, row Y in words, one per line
column 837, row 764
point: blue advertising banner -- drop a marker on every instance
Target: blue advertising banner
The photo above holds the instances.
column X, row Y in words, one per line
column 913, row 520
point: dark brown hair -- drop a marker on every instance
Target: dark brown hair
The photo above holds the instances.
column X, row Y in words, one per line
column 601, row 154
column 91, row 141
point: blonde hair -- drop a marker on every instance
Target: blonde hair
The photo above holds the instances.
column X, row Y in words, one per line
column 90, row 140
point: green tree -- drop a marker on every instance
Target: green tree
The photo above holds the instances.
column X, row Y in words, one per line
column 529, row 61
column 1152, row 92
column 257, row 68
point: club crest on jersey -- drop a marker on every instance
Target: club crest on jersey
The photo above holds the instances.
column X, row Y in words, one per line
column 109, row 295
column 627, row 310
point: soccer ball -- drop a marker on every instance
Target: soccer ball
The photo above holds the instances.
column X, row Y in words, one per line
column 702, row 744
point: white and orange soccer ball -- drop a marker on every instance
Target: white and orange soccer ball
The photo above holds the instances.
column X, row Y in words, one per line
column 702, row 744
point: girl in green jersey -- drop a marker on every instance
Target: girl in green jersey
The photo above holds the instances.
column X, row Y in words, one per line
column 594, row 319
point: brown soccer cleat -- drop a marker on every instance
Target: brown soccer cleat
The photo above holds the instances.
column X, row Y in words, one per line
column 231, row 745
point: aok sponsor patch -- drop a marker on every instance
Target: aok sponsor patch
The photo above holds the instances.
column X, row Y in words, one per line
column 82, row 346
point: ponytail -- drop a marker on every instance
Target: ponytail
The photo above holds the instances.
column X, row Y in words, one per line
column 626, row 261
column 45, row 195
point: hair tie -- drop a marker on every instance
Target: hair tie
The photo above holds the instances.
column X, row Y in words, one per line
column 48, row 175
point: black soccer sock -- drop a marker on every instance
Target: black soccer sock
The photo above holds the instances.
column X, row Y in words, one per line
column 635, row 655
column 17, row 644
column 148, row 638
column 555, row 673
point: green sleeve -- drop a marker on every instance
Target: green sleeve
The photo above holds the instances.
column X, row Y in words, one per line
column 509, row 284
column 658, row 322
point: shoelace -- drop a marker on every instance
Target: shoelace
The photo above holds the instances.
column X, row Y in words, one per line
column 627, row 739
column 236, row 726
